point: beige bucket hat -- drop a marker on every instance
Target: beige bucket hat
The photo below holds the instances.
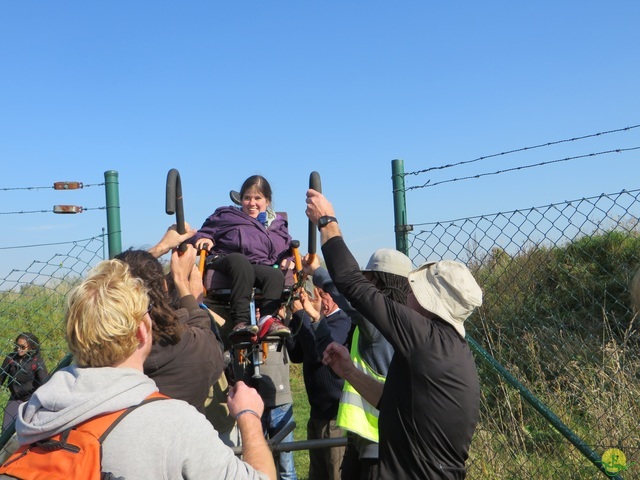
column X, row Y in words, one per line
column 389, row 260
column 447, row 289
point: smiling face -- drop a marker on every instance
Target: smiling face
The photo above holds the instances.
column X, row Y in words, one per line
column 254, row 202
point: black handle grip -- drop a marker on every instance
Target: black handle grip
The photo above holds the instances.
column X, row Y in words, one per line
column 315, row 184
column 173, row 202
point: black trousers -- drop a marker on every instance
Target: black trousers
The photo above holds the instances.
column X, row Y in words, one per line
column 355, row 468
column 245, row 275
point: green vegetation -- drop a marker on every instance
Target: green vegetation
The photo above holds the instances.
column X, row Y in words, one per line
column 301, row 414
column 36, row 309
column 557, row 317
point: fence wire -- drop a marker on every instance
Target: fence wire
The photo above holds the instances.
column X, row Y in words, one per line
column 32, row 300
column 557, row 315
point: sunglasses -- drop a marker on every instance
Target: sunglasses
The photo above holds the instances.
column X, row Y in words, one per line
column 20, row 346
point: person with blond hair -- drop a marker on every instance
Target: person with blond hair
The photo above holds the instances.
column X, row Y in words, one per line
column 109, row 333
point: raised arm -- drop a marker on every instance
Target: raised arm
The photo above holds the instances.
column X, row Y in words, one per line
column 318, row 206
column 182, row 265
column 337, row 357
column 171, row 240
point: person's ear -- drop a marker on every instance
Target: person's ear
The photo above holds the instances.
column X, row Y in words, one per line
column 143, row 333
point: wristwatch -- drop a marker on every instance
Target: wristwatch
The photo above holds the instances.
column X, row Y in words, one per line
column 325, row 220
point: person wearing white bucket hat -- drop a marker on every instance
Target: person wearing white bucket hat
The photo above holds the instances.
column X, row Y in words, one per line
column 448, row 290
column 387, row 269
column 430, row 401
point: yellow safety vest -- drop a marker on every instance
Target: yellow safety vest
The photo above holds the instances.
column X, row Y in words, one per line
column 355, row 414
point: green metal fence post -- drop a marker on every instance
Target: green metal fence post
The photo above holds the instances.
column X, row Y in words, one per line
column 114, row 232
column 402, row 244
column 400, row 207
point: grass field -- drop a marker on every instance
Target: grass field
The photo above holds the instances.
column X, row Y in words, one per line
column 301, row 414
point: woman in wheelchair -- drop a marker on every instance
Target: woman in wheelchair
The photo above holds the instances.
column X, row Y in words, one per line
column 247, row 244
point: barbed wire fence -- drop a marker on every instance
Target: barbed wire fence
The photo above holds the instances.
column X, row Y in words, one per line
column 28, row 295
column 556, row 317
column 556, row 339
column 32, row 297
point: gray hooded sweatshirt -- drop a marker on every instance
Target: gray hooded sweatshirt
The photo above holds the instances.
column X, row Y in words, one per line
column 166, row 439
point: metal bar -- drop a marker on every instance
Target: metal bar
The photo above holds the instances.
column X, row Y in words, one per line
column 174, row 203
column 302, row 445
column 551, row 417
column 315, row 184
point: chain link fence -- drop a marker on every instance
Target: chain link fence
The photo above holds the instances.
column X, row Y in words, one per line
column 557, row 317
column 555, row 340
column 32, row 300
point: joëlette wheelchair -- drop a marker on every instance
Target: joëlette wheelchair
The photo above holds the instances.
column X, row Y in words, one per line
column 246, row 354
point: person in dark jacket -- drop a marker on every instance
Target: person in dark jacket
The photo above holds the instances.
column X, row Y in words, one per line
column 429, row 404
column 317, row 325
column 24, row 370
column 186, row 357
column 387, row 269
column 109, row 333
column 245, row 243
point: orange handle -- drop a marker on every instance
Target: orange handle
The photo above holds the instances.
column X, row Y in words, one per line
column 298, row 261
column 298, row 258
column 203, row 257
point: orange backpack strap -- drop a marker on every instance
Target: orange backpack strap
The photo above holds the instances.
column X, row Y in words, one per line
column 101, row 426
column 75, row 451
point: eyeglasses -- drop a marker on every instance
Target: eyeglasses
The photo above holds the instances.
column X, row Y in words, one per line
column 149, row 308
column 20, row 346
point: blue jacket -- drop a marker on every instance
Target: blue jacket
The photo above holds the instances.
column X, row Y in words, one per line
column 232, row 230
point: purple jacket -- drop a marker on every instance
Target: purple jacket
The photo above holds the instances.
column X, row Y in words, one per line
column 232, row 230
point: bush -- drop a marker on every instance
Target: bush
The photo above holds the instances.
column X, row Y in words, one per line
column 559, row 319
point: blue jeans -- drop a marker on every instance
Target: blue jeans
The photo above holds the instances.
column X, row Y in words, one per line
column 273, row 420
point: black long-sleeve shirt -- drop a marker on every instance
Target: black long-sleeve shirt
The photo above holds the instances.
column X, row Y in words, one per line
column 429, row 406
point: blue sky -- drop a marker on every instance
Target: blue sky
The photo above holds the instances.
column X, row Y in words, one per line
column 223, row 90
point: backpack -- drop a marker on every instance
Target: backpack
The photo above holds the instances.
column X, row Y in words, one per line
column 73, row 453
